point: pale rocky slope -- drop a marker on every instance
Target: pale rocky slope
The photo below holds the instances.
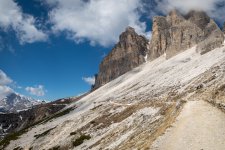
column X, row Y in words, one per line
column 199, row 126
column 131, row 111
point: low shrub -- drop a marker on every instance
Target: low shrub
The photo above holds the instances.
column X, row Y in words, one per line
column 81, row 139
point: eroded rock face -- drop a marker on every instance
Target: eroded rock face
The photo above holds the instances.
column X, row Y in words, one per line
column 224, row 28
column 170, row 35
column 129, row 53
column 176, row 32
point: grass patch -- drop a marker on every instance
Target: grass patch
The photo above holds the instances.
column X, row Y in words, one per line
column 73, row 133
column 11, row 137
column 81, row 139
column 57, row 115
column 18, row 148
column 14, row 136
column 44, row 133
column 92, row 122
column 55, row 148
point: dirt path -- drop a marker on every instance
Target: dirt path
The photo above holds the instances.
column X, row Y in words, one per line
column 199, row 126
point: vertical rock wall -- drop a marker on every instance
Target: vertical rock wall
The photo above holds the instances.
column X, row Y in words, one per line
column 127, row 54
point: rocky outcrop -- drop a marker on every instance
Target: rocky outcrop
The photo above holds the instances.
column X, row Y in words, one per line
column 224, row 28
column 129, row 53
column 215, row 40
column 176, row 32
column 171, row 35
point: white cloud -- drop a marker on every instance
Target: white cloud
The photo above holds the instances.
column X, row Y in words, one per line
column 4, row 79
column 4, row 91
column 89, row 80
column 98, row 21
column 37, row 90
column 23, row 24
column 209, row 6
column 4, row 82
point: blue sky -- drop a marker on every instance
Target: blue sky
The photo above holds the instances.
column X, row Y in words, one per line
column 51, row 49
column 58, row 66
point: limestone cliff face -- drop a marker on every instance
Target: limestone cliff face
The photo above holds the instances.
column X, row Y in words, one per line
column 224, row 28
column 171, row 35
column 176, row 32
column 127, row 54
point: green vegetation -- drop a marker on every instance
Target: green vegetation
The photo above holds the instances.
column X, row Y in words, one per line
column 11, row 137
column 81, row 139
column 57, row 115
column 73, row 133
column 44, row 133
column 55, row 148
column 16, row 135
column 18, row 148
column 92, row 122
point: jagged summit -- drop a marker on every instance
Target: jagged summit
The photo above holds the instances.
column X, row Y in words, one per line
column 130, row 29
column 15, row 102
column 171, row 35
column 224, row 28
column 175, row 17
column 127, row 54
column 200, row 18
column 176, row 32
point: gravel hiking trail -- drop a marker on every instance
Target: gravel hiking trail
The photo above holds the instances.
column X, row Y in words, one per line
column 199, row 126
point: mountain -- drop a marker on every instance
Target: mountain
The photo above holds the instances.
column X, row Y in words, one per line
column 172, row 99
column 15, row 102
column 171, row 35
column 176, row 32
column 131, row 111
column 16, row 121
column 127, row 54
column 224, row 28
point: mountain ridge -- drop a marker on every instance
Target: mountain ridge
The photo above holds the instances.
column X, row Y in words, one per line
column 136, row 106
column 129, row 109
column 171, row 35
column 15, row 102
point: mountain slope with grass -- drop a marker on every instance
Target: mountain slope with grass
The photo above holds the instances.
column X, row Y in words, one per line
column 181, row 74
column 134, row 109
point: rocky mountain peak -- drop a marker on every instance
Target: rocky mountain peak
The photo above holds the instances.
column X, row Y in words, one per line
column 127, row 39
column 176, row 32
column 200, row 18
column 130, row 30
column 224, row 28
column 171, row 35
column 127, row 54
column 175, row 17
column 15, row 102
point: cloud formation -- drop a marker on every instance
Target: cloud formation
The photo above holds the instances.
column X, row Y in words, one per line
column 37, row 90
column 89, row 80
column 214, row 8
column 24, row 25
column 4, row 82
column 98, row 21
column 4, row 79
